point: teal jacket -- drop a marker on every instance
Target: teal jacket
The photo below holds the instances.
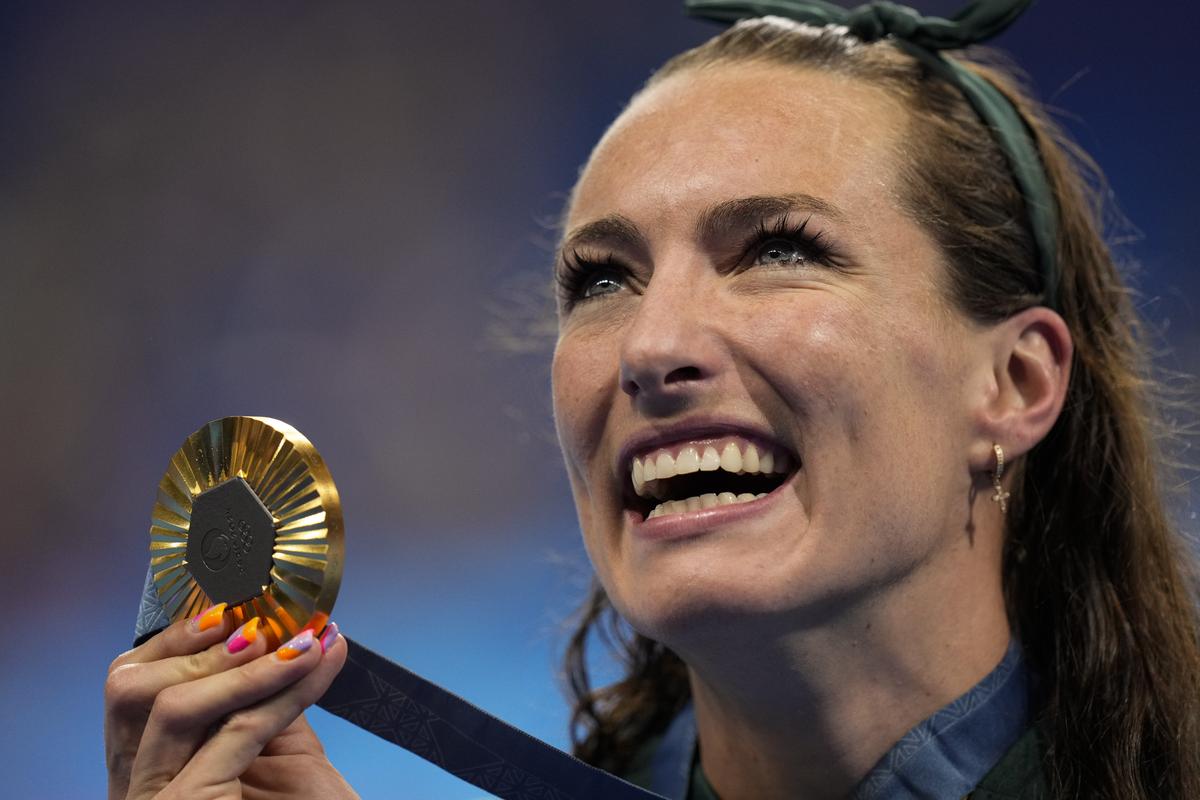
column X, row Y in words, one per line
column 1018, row 776
column 982, row 745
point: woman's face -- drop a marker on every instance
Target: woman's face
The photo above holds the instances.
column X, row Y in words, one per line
column 744, row 287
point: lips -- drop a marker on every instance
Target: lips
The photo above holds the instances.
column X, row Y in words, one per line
column 681, row 472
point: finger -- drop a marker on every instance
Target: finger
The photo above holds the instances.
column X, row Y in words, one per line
column 131, row 689
column 243, row 736
column 298, row 737
column 180, row 638
column 184, row 714
column 132, row 685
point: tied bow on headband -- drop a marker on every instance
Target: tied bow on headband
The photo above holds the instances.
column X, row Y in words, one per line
column 924, row 38
column 978, row 22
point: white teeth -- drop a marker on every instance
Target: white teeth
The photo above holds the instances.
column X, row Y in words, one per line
column 704, row 501
column 687, row 462
column 645, row 472
column 664, row 467
column 750, row 460
column 731, row 458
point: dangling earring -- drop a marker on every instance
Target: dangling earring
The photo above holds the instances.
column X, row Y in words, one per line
column 1000, row 496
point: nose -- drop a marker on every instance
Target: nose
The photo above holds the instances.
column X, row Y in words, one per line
column 668, row 353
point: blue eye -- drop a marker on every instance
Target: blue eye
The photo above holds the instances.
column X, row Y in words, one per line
column 600, row 284
column 784, row 244
column 581, row 279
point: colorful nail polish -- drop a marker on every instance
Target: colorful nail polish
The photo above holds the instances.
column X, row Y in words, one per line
column 243, row 637
column 300, row 643
column 331, row 634
column 210, row 618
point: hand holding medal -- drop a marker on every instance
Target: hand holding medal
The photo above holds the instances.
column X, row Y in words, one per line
column 246, row 535
column 245, row 554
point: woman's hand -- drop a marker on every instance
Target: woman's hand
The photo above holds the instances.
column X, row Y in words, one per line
column 188, row 715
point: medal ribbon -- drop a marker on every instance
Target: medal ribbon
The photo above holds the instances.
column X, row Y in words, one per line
column 412, row 712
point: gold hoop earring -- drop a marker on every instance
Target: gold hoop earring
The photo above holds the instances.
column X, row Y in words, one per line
column 1000, row 496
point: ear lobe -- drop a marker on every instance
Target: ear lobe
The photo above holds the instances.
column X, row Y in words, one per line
column 1031, row 368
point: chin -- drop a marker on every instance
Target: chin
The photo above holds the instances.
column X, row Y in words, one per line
column 705, row 594
column 683, row 607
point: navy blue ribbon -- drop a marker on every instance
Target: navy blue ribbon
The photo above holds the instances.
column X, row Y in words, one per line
column 400, row 706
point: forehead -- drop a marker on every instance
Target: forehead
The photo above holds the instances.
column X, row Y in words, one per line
column 707, row 135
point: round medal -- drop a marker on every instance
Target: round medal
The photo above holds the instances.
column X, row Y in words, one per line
column 247, row 514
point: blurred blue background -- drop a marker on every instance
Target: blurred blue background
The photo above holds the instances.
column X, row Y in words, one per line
column 339, row 216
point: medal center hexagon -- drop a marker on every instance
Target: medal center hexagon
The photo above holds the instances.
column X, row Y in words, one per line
column 230, row 541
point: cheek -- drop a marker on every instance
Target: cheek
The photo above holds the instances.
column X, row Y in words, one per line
column 814, row 356
column 583, row 376
column 876, row 397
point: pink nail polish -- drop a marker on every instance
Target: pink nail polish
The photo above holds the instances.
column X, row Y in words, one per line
column 331, row 634
column 243, row 637
column 300, row 643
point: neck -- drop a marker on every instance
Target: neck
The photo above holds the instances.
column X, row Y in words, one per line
column 815, row 707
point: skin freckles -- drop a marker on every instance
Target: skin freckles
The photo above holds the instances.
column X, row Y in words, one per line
column 851, row 367
column 857, row 366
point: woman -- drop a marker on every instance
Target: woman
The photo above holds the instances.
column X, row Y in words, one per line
column 875, row 488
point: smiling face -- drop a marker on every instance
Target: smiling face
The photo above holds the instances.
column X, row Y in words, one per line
column 744, row 294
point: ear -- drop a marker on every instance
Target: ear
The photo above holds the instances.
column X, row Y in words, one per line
column 1030, row 368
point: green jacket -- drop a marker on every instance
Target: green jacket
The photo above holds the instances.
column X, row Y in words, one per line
column 1018, row 776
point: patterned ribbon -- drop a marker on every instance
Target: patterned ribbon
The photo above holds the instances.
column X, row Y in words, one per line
column 401, row 707
column 413, row 712
column 925, row 38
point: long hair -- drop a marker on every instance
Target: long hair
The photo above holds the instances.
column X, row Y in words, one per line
column 1098, row 582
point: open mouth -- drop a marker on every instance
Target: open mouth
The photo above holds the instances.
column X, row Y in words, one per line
column 704, row 474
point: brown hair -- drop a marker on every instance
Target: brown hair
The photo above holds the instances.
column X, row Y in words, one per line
column 1098, row 583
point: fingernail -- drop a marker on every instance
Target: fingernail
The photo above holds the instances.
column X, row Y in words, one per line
column 300, row 643
column 331, row 634
column 210, row 618
column 243, row 637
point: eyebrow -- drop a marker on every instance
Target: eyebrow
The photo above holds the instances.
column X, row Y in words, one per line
column 612, row 229
column 716, row 222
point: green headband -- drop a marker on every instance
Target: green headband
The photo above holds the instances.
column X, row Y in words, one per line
column 924, row 38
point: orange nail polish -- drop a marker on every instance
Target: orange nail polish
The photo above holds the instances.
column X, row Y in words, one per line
column 210, row 618
column 300, row 643
column 243, row 637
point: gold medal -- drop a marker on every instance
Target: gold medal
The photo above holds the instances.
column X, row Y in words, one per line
column 247, row 514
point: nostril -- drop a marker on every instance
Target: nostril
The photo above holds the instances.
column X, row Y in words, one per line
column 682, row 374
column 635, row 384
column 633, row 387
